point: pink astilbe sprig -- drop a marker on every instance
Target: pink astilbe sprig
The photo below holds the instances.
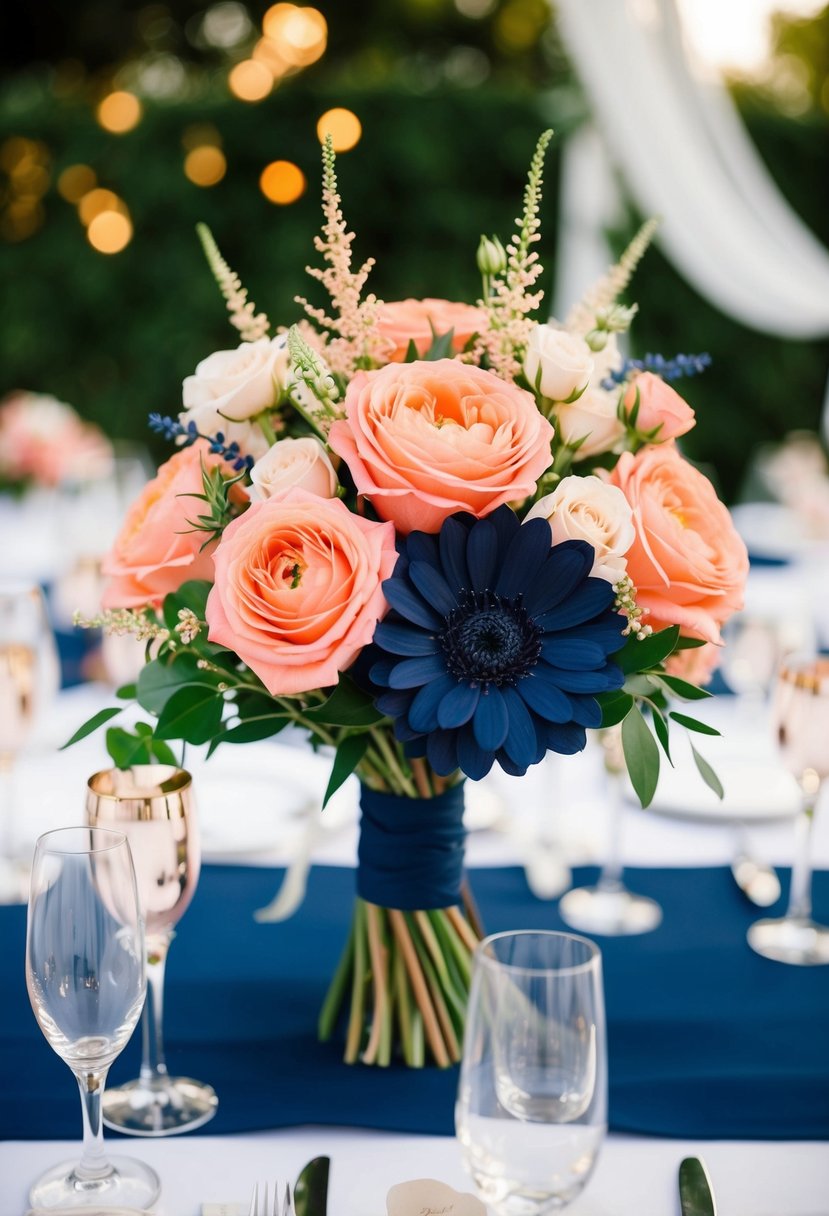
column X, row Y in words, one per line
column 510, row 300
column 354, row 341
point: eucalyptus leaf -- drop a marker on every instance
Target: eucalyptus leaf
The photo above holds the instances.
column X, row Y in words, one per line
column 689, row 643
column 707, row 773
column 641, row 756
column 92, row 724
column 159, row 680
column 126, row 692
column 348, row 705
column 441, row 347
column 349, row 754
column 192, row 595
column 660, row 727
column 681, row 688
column 701, row 728
column 127, row 748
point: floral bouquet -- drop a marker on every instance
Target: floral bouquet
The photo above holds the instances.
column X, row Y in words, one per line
column 44, row 442
column 436, row 537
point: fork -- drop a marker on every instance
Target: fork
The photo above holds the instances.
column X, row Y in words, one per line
column 259, row 1201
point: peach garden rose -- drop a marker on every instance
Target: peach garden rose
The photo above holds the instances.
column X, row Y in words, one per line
column 659, row 406
column 157, row 550
column 423, row 440
column 402, row 321
column 688, row 561
column 298, row 589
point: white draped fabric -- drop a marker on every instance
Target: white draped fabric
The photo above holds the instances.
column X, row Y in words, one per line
column 684, row 155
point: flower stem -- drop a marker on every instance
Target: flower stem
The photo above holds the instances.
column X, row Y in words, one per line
column 406, row 786
column 358, row 985
column 379, row 972
column 419, row 986
column 336, row 990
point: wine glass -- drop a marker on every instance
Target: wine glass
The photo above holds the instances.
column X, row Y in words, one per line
column 800, row 714
column 531, row 1110
column 152, row 804
column 29, row 678
column 87, row 980
column 609, row 907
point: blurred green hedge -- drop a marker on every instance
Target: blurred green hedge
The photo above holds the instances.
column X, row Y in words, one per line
column 115, row 335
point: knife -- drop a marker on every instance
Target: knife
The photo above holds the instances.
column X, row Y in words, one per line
column 695, row 1195
column 311, row 1190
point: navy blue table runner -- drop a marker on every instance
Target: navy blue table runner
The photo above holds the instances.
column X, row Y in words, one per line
column 706, row 1039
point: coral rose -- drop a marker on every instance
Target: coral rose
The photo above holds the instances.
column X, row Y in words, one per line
column 404, row 321
column 298, row 589
column 157, row 550
column 659, row 406
column 423, row 440
column 44, row 439
column 688, row 562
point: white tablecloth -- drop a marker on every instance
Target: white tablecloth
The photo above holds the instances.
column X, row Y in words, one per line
column 635, row 1176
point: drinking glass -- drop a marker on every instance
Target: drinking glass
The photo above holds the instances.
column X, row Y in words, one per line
column 800, row 715
column 609, row 907
column 152, row 804
column 86, row 976
column 29, row 678
column 531, row 1110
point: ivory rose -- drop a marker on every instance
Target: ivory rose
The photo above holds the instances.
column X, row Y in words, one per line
column 298, row 589
column 230, row 387
column 659, row 406
column 687, row 561
column 594, row 418
column 423, row 440
column 557, row 363
column 294, row 462
column 587, row 508
column 157, row 550
column 402, row 321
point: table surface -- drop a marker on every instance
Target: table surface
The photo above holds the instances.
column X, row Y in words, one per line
column 635, row 1176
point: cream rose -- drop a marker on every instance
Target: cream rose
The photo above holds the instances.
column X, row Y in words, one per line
column 557, row 363
column 241, row 383
column 586, row 508
column 594, row 418
column 294, row 462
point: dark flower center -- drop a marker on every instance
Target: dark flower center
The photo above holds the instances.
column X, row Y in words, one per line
column 489, row 640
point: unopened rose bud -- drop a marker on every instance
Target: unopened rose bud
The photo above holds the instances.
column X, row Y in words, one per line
column 491, row 256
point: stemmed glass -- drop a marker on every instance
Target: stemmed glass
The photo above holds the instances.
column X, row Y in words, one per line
column 29, row 677
column 531, row 1110
column 800, row 715
column 153, row 805
column 609, row 907
column 87, row 980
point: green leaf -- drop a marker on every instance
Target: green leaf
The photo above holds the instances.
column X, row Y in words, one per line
column 92, row 724
column 159, row 680
column 163, row 752
column 251, row 730
column 707, row 773
column 192, row 595
column 641, row 755
column 348, row 705
column 349, row 754
column 191, row 714
column 689, row 643
column 614, row 706
column 639, row 655
column 694, row 724
column 660, row 726
column 126, row 692
column 639, row 686
column 441, row 347
column 681, row 688
column 412, row 354
column 127, row 748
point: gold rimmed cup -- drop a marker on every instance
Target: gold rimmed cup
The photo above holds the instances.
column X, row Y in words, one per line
column 154, row 806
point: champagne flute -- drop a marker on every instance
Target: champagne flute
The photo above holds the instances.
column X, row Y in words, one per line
column 152, row 804
column 87, row 980
column 28, row 679
column 800, row 714
column 609, row 907
column 531, row 1110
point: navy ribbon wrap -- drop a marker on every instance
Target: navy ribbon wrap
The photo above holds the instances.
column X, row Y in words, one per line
column 411, row 850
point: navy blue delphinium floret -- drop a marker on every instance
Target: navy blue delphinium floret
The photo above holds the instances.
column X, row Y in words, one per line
column 495, row 646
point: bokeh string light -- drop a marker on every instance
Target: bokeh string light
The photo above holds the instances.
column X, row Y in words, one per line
column 250, row 80
column 109, row 232
column 282, row 182
column 205, row 165
column 25, row 165
column 119, row 112
column 343, row 126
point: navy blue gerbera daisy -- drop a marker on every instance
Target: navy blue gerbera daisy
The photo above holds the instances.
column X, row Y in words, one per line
column 496, row 644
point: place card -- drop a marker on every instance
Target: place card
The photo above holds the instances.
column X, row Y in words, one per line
column 427, row 1197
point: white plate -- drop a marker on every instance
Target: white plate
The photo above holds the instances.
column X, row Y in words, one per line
column 754, row 791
